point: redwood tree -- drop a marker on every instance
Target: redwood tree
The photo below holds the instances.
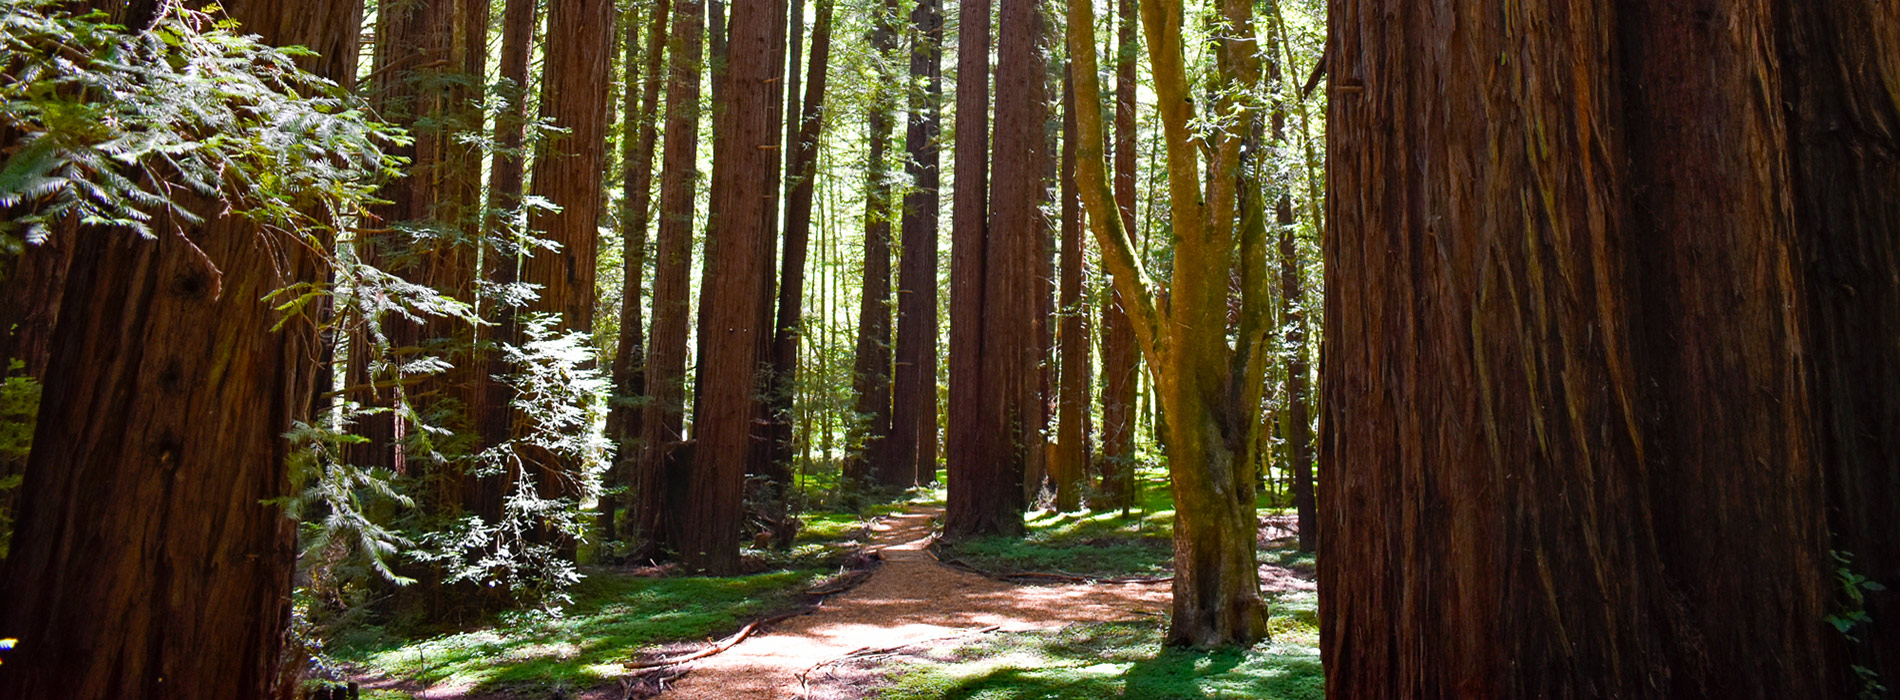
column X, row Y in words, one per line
column 1566, row 407
column 912, row 452
column 1068, row 463
column 652, row 482
column 1119, row 355
column 149, row 559
column 733, row 311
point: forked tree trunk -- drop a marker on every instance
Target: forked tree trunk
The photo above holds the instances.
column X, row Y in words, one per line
column 913, row 442
column 663, row 427
column 1565, row 406
column 149, row 560
column 733, row 310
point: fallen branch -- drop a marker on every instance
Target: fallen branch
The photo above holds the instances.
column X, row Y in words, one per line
column 814, row 597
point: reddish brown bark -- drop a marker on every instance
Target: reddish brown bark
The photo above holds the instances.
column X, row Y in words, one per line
column 733, row 312
column 1119, row 356
column 1067, row 466
column 913, row 441
column 1564, row 395
column 662, row 428
column 871, row 376
column 147, row 561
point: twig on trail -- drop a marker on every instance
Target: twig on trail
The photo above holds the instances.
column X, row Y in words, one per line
column 804, row 683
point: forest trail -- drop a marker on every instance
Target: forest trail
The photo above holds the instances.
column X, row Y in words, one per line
column 910, row 601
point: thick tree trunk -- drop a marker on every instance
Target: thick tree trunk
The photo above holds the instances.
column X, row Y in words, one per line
column 1119, row 356
column 147, row 561
column 638, row 138
column 1563, row 382
column 1067, row 468
column 1844, row 131
column 734, row 312
column 654, row 514
column 985, row 492
column 913, row 441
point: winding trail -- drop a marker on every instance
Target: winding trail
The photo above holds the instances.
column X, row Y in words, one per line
column 910, row 600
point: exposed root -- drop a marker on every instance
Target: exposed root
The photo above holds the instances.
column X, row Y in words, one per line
column 804, row 677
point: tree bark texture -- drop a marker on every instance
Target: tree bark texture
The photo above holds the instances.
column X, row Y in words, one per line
column 1843, row 100
column 871, row 373
column 913, row 441
column 734, row 313
column 985, row 489
column 1567, row 424
column 146, row 562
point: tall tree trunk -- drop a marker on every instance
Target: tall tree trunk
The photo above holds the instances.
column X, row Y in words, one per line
column 1844, row 126
column 569, row 171
column 1119, row 356
column 1299, row 434
column 984, row 494
column 638, row 136
column 1011, row 407
column 149, row 559
column 801, row 170
column 663, row 427
column 1562, row 382
column 1068, row 467
column 501, row 258
column 913, row 440
column 871, row 378
column 734, row 310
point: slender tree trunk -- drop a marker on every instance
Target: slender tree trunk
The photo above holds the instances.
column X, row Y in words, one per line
column 1068, row 468
column 985, row 494
column 1844, row 127
column 149, row 559
column 1119, row 356
column 801, row 170
column 1299, row 435
column 639, row 136
column 871, row 380
column 734, row 310
column 913, row 440
column 1563, row 383
column 663, row 426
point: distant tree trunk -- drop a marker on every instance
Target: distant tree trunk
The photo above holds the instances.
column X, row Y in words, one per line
column 663, row 426
column 148, row 559
column 1299, row 436
column 913, row 440
column 871, row 377
column 1068, row 468
column 1563, row 381
column 1844, row 132
column 1119, row 356
column 801, row 170
column 501, row 258
column 639, row 134
column 985, row 494
column 733, row 309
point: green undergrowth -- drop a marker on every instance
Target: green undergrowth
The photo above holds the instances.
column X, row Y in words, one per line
column 1116, row 660
column 1106, row 543
column 615, row 616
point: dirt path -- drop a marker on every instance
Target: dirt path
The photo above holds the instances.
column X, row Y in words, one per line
column 911, row 599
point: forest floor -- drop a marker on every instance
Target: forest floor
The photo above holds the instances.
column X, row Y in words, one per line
column 933, row 621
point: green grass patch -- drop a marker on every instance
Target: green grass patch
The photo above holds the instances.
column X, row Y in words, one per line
column 1112, row 660
column 614, row 617
column 1088, row 543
